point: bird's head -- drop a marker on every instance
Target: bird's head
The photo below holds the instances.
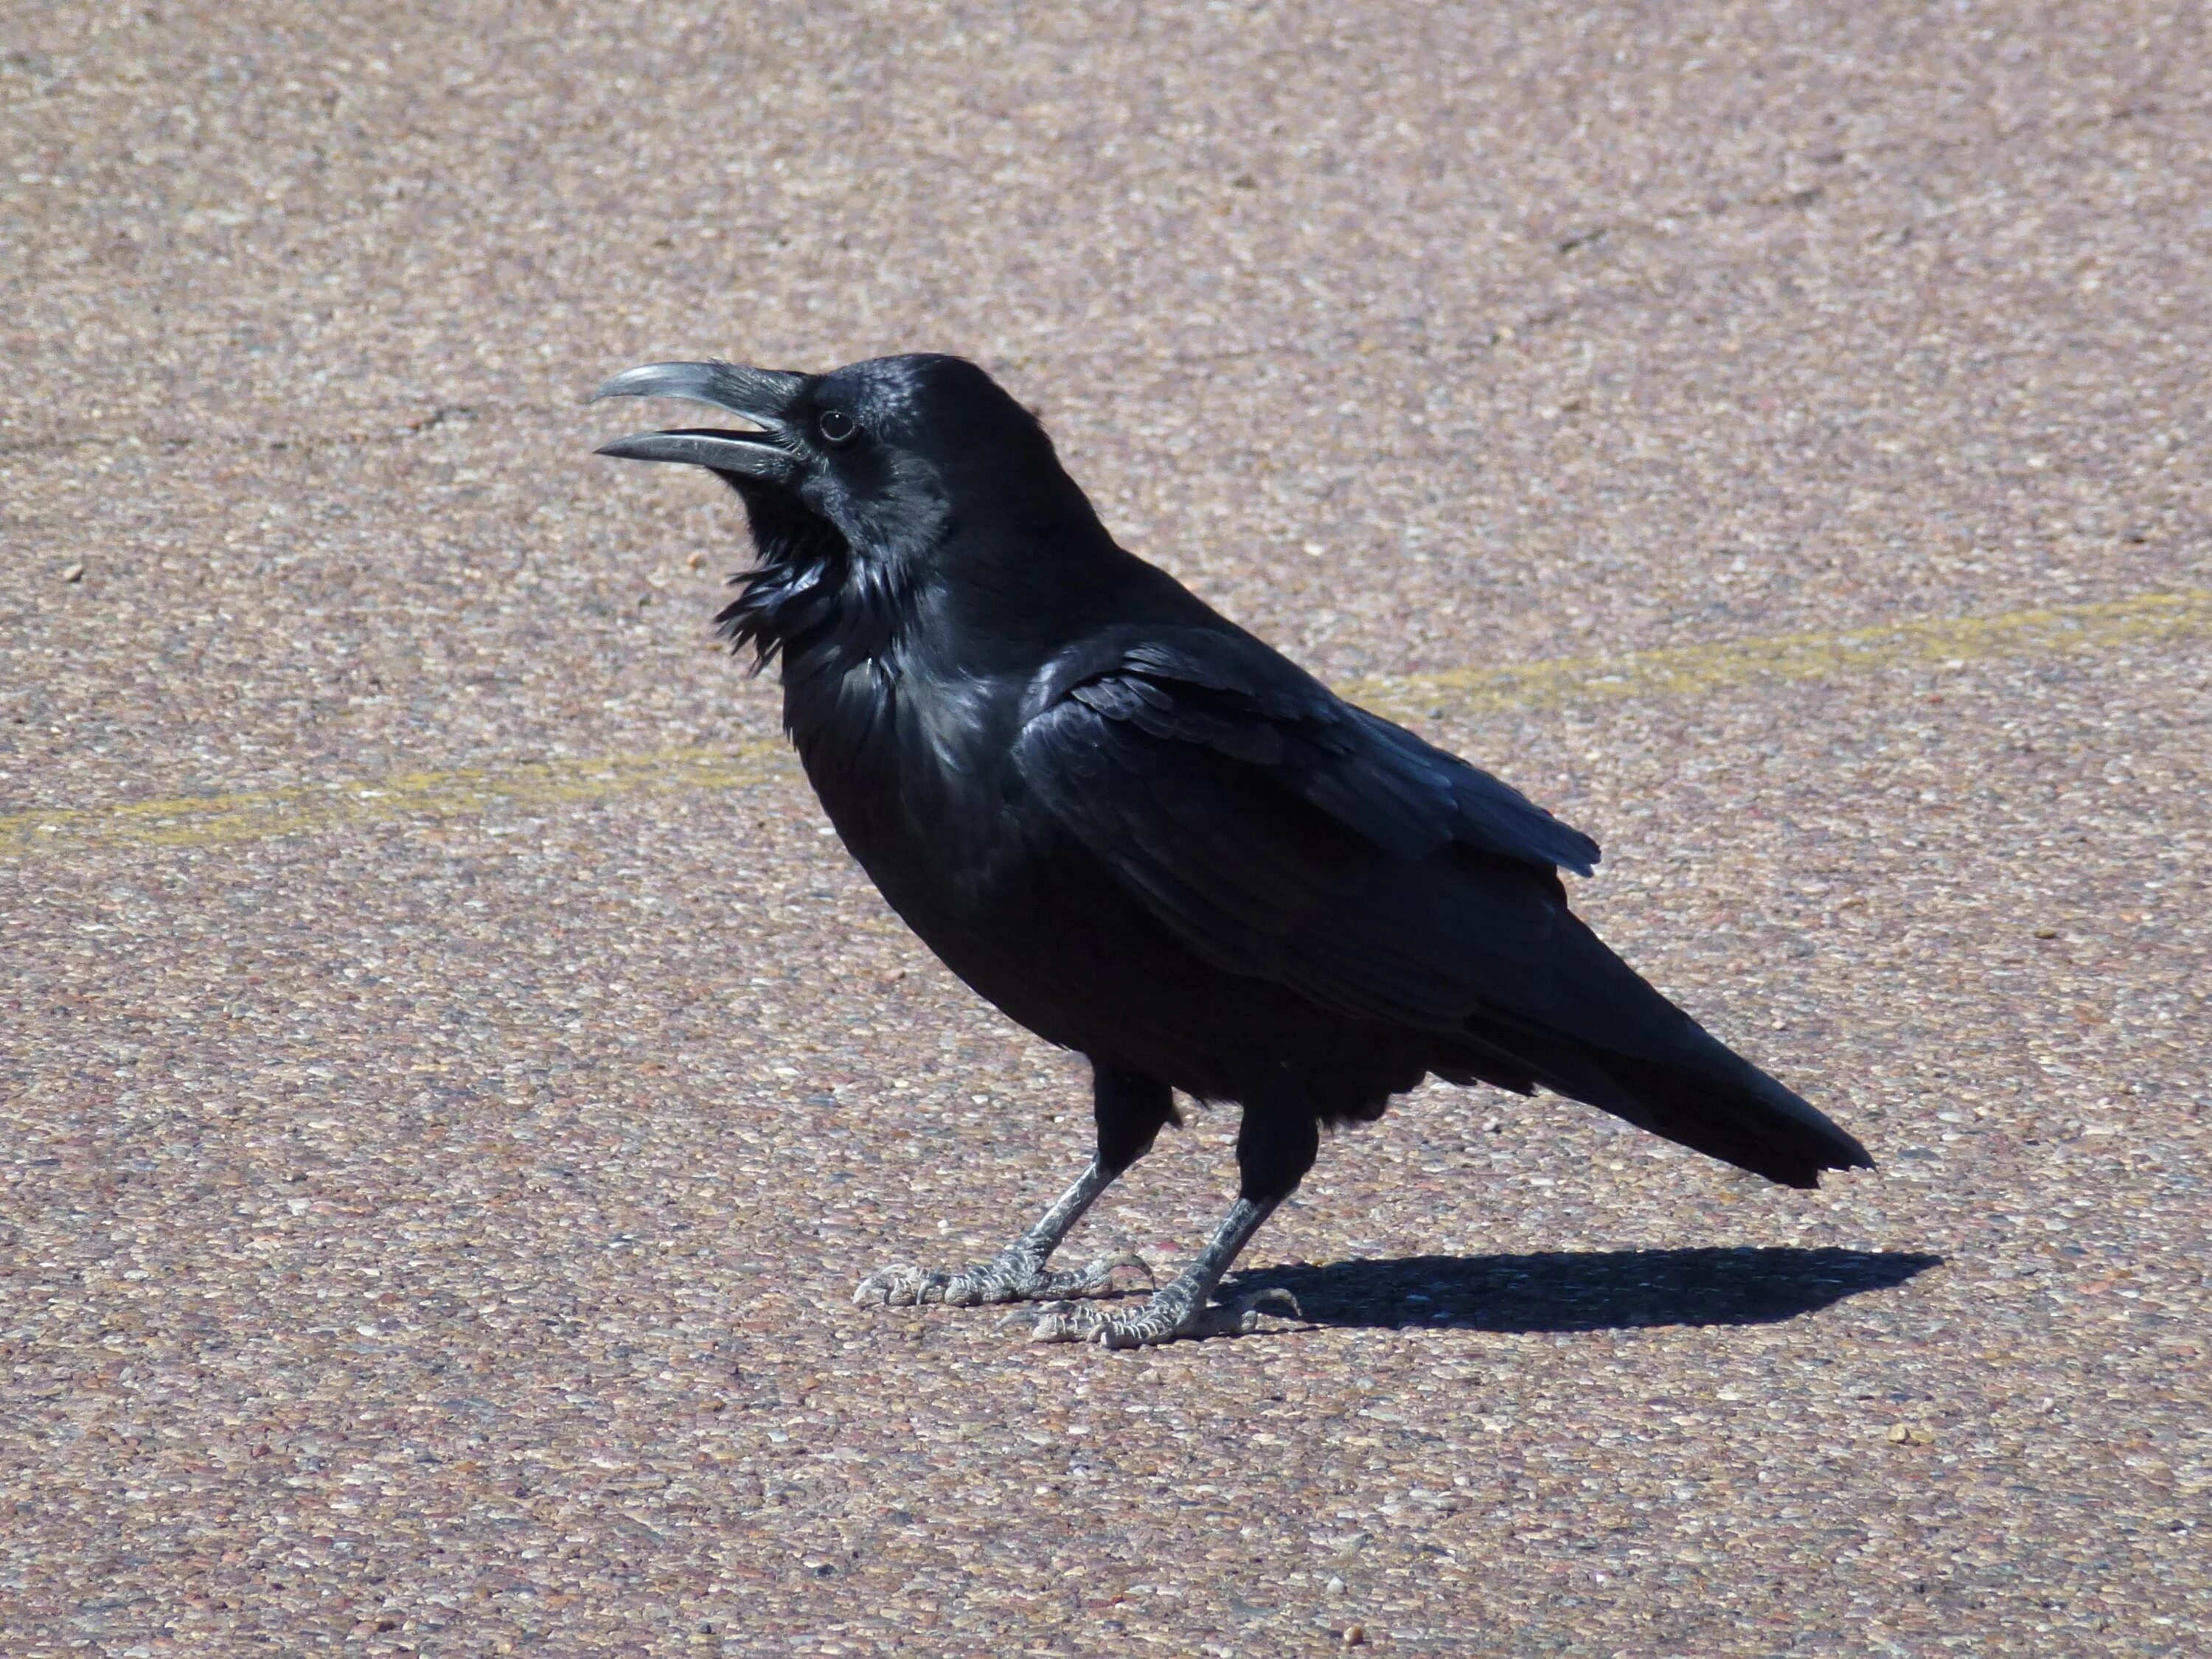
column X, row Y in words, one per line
column 892, row 453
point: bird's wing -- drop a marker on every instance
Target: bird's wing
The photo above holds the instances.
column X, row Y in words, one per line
column 1279, row 831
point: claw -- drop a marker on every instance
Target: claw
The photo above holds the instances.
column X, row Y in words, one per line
column 1009, row 1279
column 1102, row 1272
column 1064, row 1323
column 900, row 1287
column 1168, row 1317
column 1246, row 1311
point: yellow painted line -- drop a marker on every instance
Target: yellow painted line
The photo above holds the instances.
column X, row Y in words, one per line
column 1676, row 672
column 1687, row 670
column 466, row 792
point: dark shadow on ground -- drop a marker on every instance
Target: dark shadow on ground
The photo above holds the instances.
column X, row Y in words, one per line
column 1581, row 1291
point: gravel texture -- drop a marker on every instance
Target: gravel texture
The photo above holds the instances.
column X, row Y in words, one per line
column 430, row 1228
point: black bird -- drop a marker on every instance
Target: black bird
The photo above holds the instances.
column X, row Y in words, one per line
column 1150, row 839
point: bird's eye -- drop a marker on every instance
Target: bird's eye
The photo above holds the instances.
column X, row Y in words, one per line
column 836, row 425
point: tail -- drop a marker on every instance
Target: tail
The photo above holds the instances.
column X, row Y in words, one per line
column 1611, row 1041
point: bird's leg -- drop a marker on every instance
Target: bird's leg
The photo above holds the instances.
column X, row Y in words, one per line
column 1183, row 1307
column 1016, row 1274
column 1130, row 1111
column 1273, row 1153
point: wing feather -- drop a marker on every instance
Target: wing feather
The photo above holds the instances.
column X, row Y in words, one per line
column 1281, row 832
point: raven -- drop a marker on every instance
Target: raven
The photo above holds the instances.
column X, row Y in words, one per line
column 1151, row 840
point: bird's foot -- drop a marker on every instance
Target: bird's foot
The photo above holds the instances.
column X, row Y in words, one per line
column 1179, row 1311
column 1013, row 1276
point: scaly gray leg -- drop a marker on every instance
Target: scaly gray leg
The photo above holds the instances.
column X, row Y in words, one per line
column 1018, row 1273
column 1181, row 1309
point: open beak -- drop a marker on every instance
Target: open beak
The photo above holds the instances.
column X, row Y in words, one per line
column 763, row 396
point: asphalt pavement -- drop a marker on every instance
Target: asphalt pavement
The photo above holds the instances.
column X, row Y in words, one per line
column 452, row 1079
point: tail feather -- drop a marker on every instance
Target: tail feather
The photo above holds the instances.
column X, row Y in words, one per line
column 1616, row 1043
column 1730, row 1109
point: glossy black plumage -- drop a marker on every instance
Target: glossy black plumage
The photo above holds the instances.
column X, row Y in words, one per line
column 1149, row 837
